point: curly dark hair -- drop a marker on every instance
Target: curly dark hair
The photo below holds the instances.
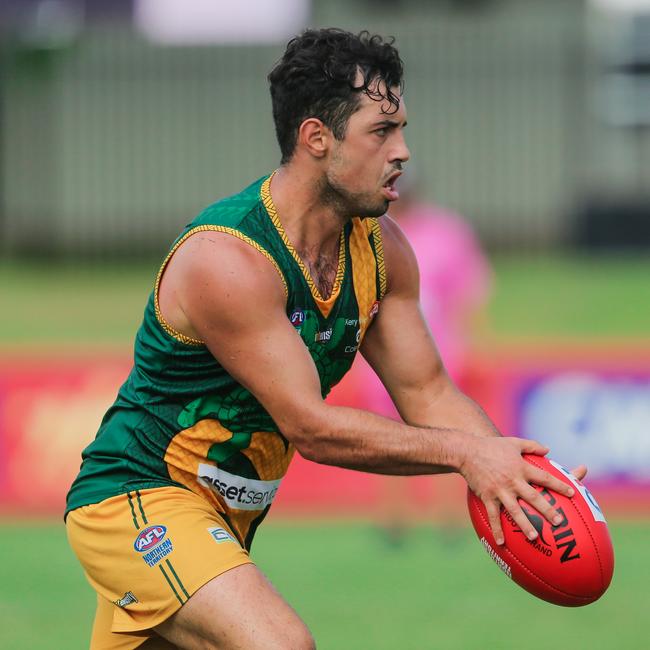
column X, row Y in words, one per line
column 317, row 77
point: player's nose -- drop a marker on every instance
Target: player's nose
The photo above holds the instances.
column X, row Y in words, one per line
column 400, row 151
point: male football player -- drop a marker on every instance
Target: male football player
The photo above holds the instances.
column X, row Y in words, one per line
column 259, row 308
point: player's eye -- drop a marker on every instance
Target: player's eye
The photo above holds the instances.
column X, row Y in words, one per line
column 381, row 132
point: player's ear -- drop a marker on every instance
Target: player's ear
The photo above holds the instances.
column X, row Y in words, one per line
column 314, row 136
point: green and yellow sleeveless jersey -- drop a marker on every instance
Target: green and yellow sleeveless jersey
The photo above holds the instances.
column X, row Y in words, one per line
column 180, row 419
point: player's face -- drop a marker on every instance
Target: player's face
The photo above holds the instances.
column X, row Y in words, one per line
column 364, row 166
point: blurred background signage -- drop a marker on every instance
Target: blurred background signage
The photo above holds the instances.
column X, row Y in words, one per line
column 211, row 22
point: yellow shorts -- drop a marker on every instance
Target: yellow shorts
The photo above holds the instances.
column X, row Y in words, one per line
column 145, row 553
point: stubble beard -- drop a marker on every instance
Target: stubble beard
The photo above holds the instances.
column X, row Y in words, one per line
column 349, row 204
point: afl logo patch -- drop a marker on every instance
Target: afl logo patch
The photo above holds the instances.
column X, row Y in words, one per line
column 297, row 318
column 374, row 309
column 149, row 537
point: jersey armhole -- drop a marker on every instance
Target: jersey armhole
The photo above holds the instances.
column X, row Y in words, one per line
column 374, row 229
column 175, row 334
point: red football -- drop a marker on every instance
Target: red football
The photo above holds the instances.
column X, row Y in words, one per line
column 570, row 564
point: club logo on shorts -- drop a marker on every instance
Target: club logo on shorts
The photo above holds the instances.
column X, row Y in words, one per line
column 221, row 535
column 128, row 599
column 151, row 541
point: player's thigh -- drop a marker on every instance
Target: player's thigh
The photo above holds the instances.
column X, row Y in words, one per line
column 239, row 609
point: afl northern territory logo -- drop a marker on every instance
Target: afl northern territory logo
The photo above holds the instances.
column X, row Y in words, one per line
column 149, row 537
column 153, row 544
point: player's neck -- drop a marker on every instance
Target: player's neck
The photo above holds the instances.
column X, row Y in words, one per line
column 309, row 224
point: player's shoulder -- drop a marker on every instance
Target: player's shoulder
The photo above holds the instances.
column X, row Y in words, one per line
column 224, row 240
column 220, row 248
column 229, row 212
column 395, row 243
column 400, row 260
column 213, row 274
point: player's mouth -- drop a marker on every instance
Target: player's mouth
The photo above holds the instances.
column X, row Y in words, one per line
column 389, row 190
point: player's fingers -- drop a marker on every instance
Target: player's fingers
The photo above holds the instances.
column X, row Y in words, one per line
column 533, row 447
column 547, row 480
column 513, row 507
column 533, row 498
column 494, row 517
column 579, row 472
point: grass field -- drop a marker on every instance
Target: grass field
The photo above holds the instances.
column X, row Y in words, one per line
column 536, row 296
column 354, row 590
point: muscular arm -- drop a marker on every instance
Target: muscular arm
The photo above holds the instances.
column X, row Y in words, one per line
column 220, row 290
column 402, row 352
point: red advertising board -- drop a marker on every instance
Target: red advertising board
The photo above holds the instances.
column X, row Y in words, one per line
column 50, row 409
column 589, row 404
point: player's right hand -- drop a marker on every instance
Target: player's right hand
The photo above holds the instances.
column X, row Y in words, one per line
column 496, row 472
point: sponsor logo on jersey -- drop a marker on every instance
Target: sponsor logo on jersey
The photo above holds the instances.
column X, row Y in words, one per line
column 238, row 492
column 221, row 535
column 149, row 537
column 351, row 322
column 323, row 337
column 351, row 349
column 297, row 318
column 128, row 599
column 153, row 543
